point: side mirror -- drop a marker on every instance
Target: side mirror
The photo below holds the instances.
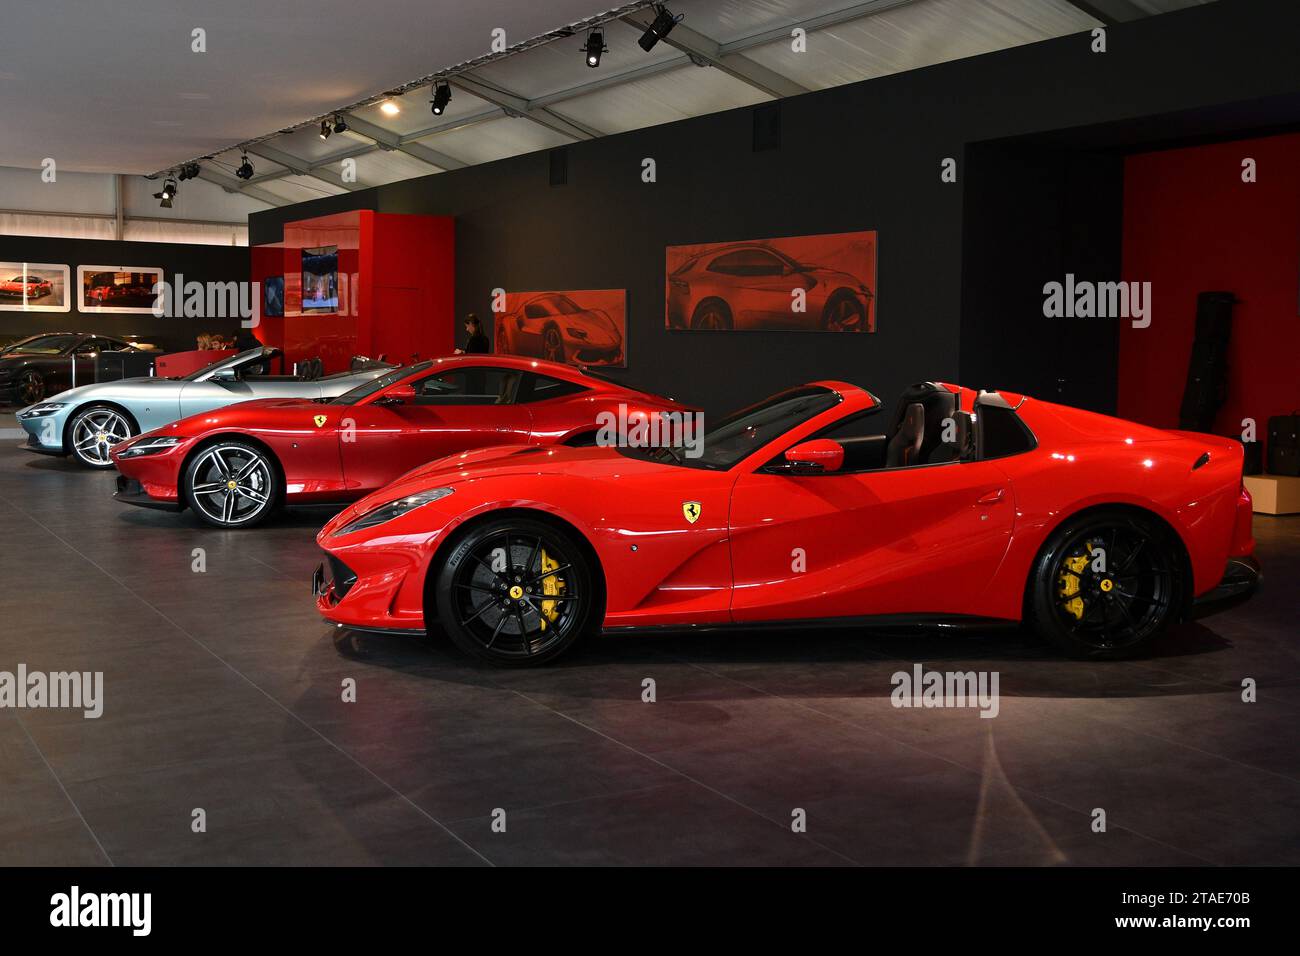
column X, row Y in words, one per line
column 819, row 456
column 402, row 394
column 224, row 375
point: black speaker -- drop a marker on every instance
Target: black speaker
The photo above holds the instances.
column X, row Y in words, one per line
column 767, row 126
column 1207, row 372
column 559, row 166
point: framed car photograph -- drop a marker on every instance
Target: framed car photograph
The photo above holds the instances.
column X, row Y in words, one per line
column 588, row 327
column 34, row 287
column 117, row 288
column 824, row 283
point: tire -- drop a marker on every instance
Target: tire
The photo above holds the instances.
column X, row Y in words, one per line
column 552, row 344
column 1127, row 596
column 94, row 430
column 844, row 313
column 254, row 496
column 711, row 314
column 30, row 387
column 490, row 590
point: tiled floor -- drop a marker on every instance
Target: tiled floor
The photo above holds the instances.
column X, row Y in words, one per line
column 223, row 693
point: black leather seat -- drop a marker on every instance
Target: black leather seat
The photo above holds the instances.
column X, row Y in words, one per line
column 905, row 447
column 958, row 447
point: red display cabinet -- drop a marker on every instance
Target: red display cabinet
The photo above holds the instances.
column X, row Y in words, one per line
column 395, row 288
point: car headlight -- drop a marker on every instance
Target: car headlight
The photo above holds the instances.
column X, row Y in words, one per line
column 391, row 510
column 150, row 446
column 44, row 408
column 577, row 333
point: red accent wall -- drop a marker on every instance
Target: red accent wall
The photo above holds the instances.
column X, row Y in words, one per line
column 396, row 288
column 1192, row 225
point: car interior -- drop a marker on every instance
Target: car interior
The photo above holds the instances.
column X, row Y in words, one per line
column 927, row 429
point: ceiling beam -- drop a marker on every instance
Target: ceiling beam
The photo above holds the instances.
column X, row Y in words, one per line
column 825, row 21
column 390, row 141
column 1109, row 12
column 298, row 167
column 515, row 105
column 708, row 52
column 235, row 186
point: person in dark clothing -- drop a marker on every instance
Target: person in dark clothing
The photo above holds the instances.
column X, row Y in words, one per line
column 477, row 342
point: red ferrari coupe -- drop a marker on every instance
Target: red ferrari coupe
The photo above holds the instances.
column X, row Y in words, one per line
column 236, row 464
column 26, row 287
column 811, row 506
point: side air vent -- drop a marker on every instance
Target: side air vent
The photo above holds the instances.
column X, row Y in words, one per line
column 1203, row 460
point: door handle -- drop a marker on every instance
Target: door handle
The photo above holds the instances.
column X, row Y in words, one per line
column 992, row 498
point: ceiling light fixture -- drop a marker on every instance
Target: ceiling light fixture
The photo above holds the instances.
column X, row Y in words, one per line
column 245, row 170
column 594, row 47
column 441, row 97
column 325, row 129
column 663, row 24
column 340, row 125
column 389, row 108
column 168, row 193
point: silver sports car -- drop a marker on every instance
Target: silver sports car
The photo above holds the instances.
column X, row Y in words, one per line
column 86, row 422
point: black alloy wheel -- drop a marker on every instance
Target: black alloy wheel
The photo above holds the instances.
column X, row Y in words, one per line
column 711, row 315
column 30, row 386
column 515, row 592
column 1106, row 586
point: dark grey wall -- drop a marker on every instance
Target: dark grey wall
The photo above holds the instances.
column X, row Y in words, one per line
column 196, row 262
column 961, row 266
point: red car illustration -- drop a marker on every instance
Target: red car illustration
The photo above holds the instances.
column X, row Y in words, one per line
column 235, row 465
column 748, row 285
column 26, row 287
column 813, row 506
column 552, row 326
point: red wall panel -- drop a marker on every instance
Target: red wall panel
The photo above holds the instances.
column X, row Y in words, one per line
column 1192, row 225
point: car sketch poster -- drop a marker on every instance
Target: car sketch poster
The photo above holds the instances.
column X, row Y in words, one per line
column 34, row 287
column 117, row 288
column 587, row 327
column 824, row 283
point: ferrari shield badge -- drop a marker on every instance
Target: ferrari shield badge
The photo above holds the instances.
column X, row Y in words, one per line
column 691, row 509
column 320, row 421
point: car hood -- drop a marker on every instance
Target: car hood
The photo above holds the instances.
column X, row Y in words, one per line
column 83, row 392
column 508, row 461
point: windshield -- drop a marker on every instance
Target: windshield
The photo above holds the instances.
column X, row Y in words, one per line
column 229, row 360
column 374, row 385
column 44, row 344
column 732, row 439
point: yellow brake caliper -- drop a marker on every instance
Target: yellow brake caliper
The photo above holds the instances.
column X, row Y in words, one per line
column 1069, row 581
column 552, row 586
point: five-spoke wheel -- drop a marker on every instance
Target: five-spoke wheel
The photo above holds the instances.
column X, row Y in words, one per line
column 844, row 313
column 231, row 484
column 1106, row 585
column 94, row 431
column 552, row 344
column 30, row 387
column 514, row 591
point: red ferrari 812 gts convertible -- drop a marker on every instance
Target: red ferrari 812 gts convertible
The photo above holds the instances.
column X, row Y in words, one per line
column 235, row 465
column 813, row 506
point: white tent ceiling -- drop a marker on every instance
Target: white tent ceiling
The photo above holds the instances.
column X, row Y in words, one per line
column 269, row 71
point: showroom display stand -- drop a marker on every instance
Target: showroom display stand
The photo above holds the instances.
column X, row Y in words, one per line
column 1274, row 494
column 396, row 288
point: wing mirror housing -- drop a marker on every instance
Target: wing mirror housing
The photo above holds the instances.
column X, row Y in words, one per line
column 403, row 394
column 816, row 457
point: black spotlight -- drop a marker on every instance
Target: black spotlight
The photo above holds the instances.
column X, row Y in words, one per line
column 245, row 170
column 188, row 171
column 325, row 129
column 595, row 46
column 168, row 193
column 340, row 126
column 662, row 26
column 441, row 97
